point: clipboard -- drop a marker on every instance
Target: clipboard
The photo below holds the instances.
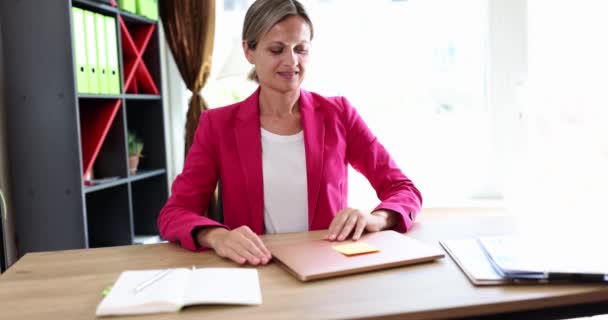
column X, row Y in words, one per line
column 474, row 261
column 318, row 259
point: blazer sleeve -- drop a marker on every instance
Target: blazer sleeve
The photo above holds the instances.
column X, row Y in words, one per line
column 192, row 190
column 365, row 153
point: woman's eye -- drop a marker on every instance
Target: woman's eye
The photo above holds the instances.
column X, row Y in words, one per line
column 276, row 51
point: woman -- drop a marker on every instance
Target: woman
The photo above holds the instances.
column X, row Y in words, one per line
column 282, row 155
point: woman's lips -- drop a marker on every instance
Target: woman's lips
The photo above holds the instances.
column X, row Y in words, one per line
column 288, row 75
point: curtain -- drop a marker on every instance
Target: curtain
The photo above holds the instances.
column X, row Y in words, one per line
column 189, row 30
column 189, row 27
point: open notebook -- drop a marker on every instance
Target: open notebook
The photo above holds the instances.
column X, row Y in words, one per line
column 319, row 259
column 169, row 290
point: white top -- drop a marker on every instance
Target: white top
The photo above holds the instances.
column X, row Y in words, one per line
column 285, row 185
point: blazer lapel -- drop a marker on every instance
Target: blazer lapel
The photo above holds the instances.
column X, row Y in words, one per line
column 313, row 123
column 249, row 147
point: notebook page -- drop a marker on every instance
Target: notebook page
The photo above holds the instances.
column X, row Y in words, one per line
column 223, row 286
column 163, row 295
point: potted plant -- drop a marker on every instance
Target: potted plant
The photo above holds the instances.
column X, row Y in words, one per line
column 136, row 145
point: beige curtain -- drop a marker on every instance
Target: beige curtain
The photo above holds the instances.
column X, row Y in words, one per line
column 189, row 30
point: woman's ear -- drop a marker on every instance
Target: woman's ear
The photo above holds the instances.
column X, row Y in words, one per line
column 249, row 54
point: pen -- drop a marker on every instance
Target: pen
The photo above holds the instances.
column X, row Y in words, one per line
column 150, row 281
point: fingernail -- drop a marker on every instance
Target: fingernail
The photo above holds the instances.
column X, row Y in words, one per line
column 332, row 237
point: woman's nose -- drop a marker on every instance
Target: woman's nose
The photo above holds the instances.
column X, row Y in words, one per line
column 292, row 58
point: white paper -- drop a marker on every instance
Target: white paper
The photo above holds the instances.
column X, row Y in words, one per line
column 224, row 286
column 546, row 254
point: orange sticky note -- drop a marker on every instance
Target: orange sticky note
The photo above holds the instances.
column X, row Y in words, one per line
column 355, row 248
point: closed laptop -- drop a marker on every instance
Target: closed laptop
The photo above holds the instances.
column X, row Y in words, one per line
column 319, row 259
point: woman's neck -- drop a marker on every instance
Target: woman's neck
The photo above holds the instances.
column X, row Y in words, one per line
column 278, row 104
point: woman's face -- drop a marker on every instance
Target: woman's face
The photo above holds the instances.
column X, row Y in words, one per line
column 281, row 55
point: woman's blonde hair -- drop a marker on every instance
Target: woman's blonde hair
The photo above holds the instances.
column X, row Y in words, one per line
column 262, row 15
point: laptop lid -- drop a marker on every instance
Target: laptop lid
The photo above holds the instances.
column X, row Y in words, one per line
column 318, row 259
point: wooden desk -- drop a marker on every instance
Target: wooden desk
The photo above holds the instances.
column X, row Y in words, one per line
column 67, row 284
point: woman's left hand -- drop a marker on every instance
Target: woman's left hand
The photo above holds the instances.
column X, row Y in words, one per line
column 353, row 221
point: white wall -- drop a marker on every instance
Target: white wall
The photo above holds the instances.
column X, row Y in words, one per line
column 4, row 177
column 508, row 67
column 173, row 88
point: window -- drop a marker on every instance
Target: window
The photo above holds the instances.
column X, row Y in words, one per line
column 564, row 172
column 416, row 72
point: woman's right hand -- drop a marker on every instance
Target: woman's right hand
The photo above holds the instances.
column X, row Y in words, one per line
column 240, row 245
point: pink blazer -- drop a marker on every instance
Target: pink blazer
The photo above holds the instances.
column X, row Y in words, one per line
column 227, row 146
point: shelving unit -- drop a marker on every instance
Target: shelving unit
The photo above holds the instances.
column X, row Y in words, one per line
column 59, row 137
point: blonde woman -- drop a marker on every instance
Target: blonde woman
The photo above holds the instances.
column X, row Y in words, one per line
column 282, row 155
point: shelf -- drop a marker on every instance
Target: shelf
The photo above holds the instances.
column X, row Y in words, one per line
column 142, row 96
column 95, row 122
column 134, row 18
column 98, row 96
column 145, row 119
column 131, row 96
column 143, row 174
column 85, row 137
column 135, row 40
column 146, row 239
column 95, row 6
column 113, row 183
column 109, row 221
column 148, row 198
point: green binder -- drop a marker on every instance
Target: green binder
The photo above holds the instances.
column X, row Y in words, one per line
column 80, row 50
column 91, row 38
column 127, row 5
column 102, row 53
column 148, row 8
column 112, row 54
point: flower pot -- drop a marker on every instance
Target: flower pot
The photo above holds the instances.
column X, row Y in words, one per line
column 133, row 162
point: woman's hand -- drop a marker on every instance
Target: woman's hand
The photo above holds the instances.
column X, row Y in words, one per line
column 353, row 221
column 240, row 245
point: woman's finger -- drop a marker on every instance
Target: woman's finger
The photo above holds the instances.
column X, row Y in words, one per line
column 332, row 226
column 259, row 244
column 242, row 250
column 252, row 249
column 336, row 225
column 348, row 226
column 361, row 223
column 234, row 256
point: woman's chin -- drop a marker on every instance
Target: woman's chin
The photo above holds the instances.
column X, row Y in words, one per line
column 284, row 86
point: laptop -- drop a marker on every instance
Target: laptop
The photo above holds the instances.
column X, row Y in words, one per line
column 319, row 259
